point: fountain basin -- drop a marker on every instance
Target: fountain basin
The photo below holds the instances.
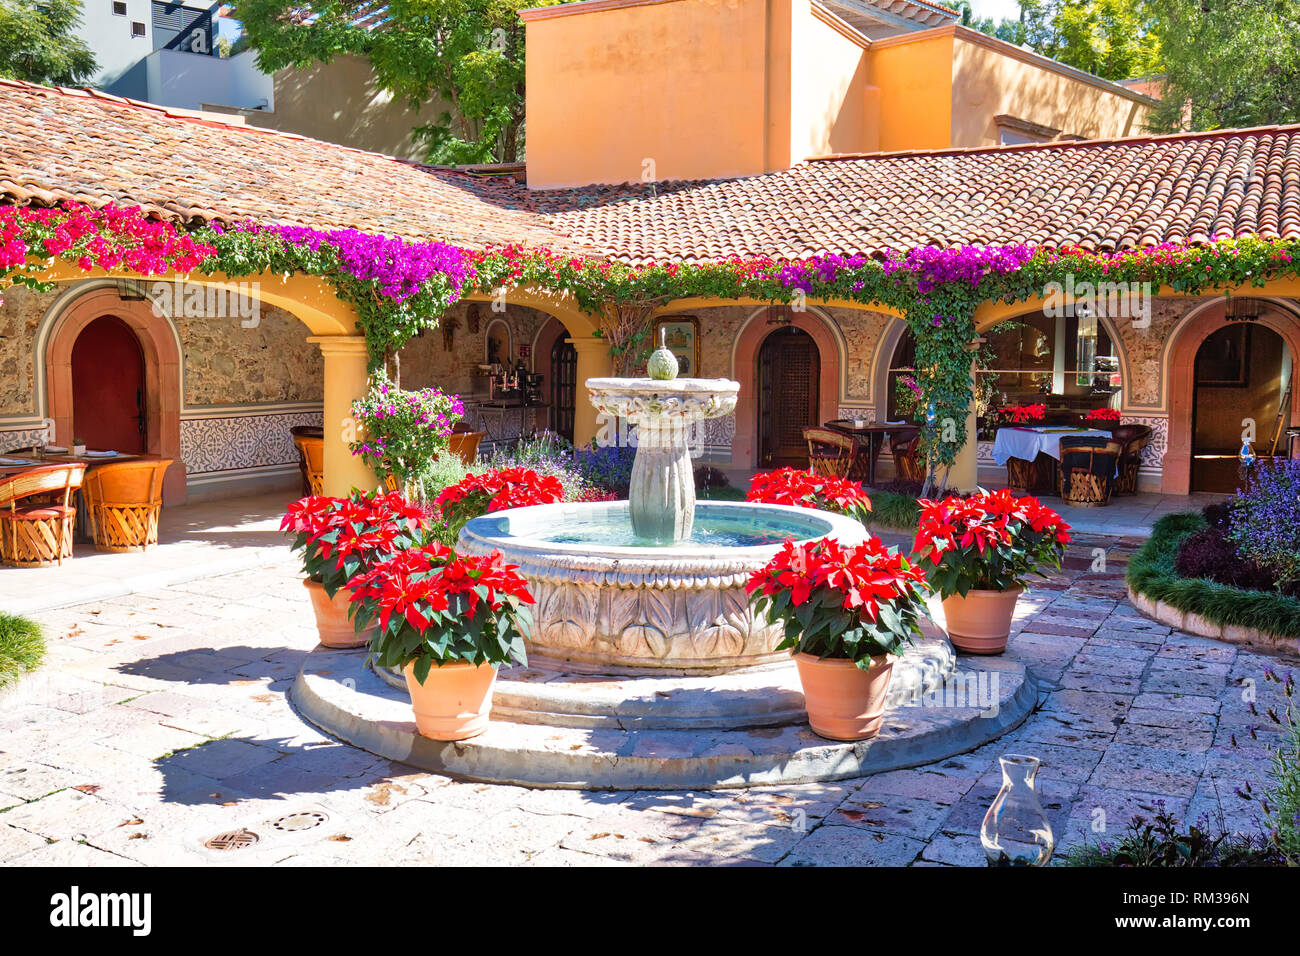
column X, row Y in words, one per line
column 609, row 604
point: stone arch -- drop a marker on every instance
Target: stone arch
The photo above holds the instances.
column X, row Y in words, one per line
column 1180, row 362
column 744, row 369
column 161, row 349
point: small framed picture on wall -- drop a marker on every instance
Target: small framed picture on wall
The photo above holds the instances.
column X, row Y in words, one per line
column 681, row 334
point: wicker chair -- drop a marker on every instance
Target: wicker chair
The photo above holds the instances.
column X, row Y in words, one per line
column 1088, row 470
column 122, row 503
column 310, row 442
column 905, row 446
column 829, row 452
column 38, row 535
column 1133, row 438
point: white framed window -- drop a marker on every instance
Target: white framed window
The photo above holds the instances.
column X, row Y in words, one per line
column 137, row 28
column 119, row 8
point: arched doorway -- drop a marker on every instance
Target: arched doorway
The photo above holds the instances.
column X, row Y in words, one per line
column 69, row 402
column 108, row 387
column 789, row 383
column 1242, row 374
column 564, row 387
column 1214, row 385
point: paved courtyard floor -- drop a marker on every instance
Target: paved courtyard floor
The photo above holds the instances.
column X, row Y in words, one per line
column 160, row 721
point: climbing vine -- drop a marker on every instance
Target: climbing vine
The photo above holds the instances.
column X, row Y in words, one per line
column 399, row 287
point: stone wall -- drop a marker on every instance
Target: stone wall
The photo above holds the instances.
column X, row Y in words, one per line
column 20, row 315
column 227, row 364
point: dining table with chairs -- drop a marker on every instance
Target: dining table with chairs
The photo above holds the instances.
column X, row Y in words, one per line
column 50, row 496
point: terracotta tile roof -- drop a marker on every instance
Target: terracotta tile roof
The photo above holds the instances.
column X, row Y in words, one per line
column 1102, row 195
column 70, row 144
column 1105, row 195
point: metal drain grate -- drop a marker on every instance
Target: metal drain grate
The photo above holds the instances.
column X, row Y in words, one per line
column 231, row 840
column 306, row 820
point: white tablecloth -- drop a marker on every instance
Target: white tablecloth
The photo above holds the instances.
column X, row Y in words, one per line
column 1026, row 443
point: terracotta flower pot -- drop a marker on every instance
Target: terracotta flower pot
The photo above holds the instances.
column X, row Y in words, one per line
column 455, row 700
column 980, row 622
column 332, row 621
column 843, row 701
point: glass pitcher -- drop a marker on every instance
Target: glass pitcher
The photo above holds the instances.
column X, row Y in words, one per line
column 1015, row 831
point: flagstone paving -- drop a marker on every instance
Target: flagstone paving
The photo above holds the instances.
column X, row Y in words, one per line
column 160, row 720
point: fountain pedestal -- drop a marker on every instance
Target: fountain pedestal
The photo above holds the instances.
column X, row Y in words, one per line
column 662, row 494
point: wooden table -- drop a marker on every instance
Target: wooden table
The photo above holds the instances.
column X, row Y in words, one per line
column 867, row 442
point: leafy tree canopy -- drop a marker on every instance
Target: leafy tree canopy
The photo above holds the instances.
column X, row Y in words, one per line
column 1228, row 63
column 37, row 42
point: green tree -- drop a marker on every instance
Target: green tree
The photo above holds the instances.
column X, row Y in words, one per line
column 467, row 54
column 1113, row 39
column 1228, row 63
column 37, row 42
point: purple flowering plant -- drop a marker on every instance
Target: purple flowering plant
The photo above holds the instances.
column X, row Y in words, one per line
column 400, row 432
column 1265, row 524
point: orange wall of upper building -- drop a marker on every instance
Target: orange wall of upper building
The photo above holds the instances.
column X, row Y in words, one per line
column 643, row 90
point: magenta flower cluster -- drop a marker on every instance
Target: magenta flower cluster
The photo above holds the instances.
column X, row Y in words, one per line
column 398, row 267
column 934, row 266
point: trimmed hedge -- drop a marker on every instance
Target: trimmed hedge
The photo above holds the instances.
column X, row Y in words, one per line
column 22, row 648
column 1151, row 573
column 891, row 509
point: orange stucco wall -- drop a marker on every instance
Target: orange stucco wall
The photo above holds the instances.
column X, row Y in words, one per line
column 987, row 82
column 640, row 90
column 684, row 84
column 914, row 80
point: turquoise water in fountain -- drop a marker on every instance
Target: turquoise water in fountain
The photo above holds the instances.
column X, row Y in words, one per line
column 711, row 530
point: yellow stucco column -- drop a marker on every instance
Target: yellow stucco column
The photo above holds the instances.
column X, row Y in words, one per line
column 593, row 362
column 964, row 475
column 345, row 380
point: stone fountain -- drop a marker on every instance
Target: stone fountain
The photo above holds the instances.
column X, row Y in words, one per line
column 647, row 668
column 655, row 583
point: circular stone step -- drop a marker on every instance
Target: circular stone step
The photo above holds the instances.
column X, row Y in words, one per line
column 754, row 697
column 984, row 699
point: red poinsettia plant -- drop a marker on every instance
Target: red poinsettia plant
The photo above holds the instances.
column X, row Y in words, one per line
column 1023, row 414
column 342, row 537
column 1103, row 415
column 838, row 601
column 435, row 607
column 494, row 490
column 806, row 489
column 991, row 541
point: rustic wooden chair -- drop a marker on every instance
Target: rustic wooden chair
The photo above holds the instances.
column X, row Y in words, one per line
column 1088, row 470
column 310, row 442
column 122, row 503
column 829, row 452
column 1133, row 438
column 34, row 535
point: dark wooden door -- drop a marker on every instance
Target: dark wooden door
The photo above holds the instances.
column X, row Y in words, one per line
column 108, row 387
column 564, row 387
column 789, row 369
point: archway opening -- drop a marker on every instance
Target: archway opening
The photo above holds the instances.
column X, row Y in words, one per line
column 789, row 385
column 1241, row 392
column 108, row 387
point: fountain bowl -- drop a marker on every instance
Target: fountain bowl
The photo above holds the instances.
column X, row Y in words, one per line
column 607, row 603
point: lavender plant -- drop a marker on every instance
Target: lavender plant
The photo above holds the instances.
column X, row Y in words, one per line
column 1265, row 524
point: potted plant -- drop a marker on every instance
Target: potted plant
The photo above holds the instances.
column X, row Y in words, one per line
column 78, row 447
column 977, row 553
column 806, row 489
column 493, row 490
column 448, row 621
column 401, row 432
column 340, row 538
column 846, row 613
